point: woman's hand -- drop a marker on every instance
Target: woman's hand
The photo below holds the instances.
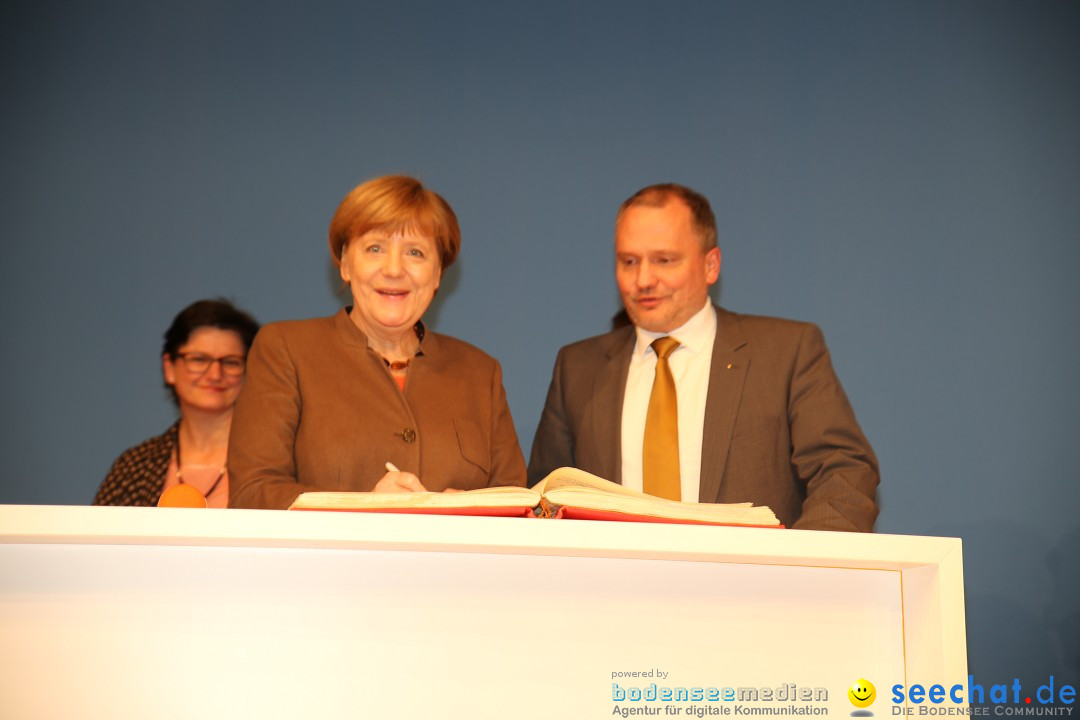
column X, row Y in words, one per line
column 398, row 482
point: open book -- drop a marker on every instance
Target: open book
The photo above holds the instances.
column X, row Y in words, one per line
column 565, row 493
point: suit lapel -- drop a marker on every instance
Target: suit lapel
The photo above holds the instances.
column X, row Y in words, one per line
column 607, row 402
column 727, row 375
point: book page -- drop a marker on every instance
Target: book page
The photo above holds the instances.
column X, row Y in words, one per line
column 575, row 488
column 572, row 477
column 502, row 496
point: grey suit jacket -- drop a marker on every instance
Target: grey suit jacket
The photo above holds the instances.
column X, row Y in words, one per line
column 779, row 430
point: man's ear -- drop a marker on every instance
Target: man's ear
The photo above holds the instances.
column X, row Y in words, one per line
column 712, row 265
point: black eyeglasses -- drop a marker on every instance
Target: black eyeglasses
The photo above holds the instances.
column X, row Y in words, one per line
column 197, row 363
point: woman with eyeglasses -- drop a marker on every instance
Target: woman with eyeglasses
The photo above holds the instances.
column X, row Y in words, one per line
column 203, row 362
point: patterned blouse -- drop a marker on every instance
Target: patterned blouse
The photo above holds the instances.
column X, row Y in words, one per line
column 138, row 475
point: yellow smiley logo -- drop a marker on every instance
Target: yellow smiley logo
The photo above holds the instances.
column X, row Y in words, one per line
column 862, row 693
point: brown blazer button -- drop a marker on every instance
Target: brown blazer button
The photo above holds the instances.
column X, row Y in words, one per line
column 408, row 435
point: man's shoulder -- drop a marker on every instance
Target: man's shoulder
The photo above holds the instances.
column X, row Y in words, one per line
column 757, row 327
column 736, row 326
column 598, row 346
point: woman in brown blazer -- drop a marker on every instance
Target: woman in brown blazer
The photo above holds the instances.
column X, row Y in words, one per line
column 369, row 399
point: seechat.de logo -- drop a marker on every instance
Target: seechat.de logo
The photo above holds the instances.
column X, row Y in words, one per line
column 1002, row 695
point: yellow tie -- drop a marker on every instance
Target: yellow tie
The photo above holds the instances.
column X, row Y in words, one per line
column 660, row 451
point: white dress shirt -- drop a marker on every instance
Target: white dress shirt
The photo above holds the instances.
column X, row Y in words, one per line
column 690, row 364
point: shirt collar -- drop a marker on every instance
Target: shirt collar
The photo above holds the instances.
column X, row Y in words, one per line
column 355, row 336
column 694, row 334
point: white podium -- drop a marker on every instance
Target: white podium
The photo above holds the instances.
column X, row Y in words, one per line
column 172, row 613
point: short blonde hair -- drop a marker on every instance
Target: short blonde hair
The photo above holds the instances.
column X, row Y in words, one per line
column 395, row 203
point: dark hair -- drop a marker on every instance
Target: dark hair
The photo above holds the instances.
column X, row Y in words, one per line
column 217, row 313
column 659, row 195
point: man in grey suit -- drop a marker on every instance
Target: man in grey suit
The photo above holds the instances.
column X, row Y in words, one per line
column 761, row 414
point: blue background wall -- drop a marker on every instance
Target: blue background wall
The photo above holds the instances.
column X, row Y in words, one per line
column 904, row 174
